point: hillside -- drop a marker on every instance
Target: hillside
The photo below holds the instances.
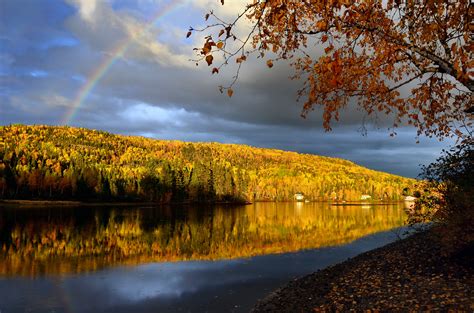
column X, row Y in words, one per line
column 45, row 162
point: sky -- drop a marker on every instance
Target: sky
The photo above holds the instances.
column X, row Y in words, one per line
column 124, row 66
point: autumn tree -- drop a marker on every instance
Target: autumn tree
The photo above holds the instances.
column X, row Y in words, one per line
column 38, row 162
column 410, row 59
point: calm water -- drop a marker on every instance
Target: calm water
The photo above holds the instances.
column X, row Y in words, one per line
column 175, row 259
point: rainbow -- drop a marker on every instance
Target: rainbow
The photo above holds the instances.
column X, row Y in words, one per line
column 116, row 54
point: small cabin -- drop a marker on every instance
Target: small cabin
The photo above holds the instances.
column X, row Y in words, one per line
column 365, row 197
column 410, row 198
column 299, row 196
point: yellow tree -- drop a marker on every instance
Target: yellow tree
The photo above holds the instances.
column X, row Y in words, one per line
column 412, row 59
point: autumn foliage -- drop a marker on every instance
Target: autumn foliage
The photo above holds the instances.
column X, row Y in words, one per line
column 410, row 59
column 42, row 162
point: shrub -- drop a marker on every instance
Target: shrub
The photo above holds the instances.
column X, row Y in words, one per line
column 447, row 197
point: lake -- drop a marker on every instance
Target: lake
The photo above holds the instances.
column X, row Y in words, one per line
column 175, row 258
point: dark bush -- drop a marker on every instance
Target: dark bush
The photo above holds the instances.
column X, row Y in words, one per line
column 447, row 197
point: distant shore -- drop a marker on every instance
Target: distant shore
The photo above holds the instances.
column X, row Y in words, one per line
column 19, row 202
column 407, row 275
column 40, row 203
column 102, row 203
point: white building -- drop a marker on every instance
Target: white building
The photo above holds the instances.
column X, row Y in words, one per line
column 299, row 197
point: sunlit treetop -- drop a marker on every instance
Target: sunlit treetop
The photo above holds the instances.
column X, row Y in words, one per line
column 409, row 59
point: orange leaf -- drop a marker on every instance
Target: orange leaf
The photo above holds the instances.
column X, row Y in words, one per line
column 241, row 59
column 220, row 45
column 230, row 92
column 207, row 48
column 321, row 25
column 215, row 70
column 453, row 48
column 270, row 63
column 209, row 59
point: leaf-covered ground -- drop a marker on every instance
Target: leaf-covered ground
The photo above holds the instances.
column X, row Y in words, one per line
column 407, row 275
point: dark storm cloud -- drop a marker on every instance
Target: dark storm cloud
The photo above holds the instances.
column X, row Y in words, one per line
column 49, row 50
column 266, row 97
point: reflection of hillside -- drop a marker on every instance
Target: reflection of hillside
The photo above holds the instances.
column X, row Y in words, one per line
column 61, row 243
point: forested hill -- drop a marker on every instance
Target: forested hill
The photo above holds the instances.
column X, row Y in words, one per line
column 44, row 162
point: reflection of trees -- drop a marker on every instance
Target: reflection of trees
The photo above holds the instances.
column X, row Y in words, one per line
column 66, row 242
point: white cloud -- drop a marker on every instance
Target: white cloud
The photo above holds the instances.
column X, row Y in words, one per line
column 142, row 112
column 86, row 8
column 231, row 8
column 55, row 100
column 107, row 30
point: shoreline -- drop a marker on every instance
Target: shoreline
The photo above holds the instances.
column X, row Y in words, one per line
column 22, row 202
column 67, row 203
column 409, row 274
column 74, row 203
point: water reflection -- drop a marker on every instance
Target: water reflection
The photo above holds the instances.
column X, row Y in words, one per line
column 38, row 241
column 192, row 286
